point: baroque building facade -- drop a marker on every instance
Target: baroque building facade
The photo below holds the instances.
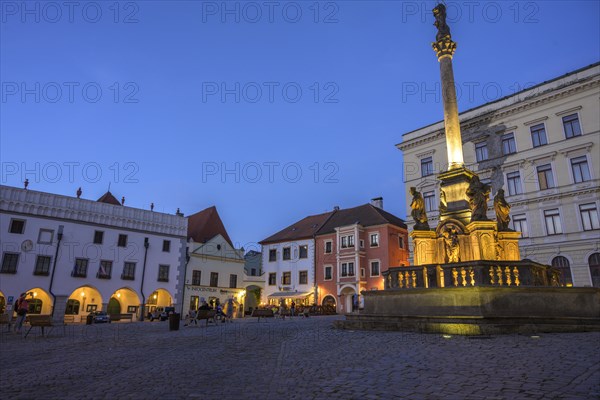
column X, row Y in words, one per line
column 541, row 146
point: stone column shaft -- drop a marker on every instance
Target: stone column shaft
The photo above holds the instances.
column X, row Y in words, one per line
column 451, row 121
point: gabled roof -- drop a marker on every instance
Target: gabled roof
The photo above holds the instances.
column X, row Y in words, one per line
column 303, row 229
column 365, row 215
column 205, row 225
column 109, row 199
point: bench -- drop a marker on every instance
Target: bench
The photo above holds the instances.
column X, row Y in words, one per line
column 208, row 315
column 119, row 317
column 5, row 320
column 262, row 314
column 42, row 321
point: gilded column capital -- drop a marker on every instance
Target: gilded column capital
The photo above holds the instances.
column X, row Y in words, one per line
column 444, row 48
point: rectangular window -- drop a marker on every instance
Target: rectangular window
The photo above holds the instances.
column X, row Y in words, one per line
column 328, row 248
column 17, row 226
column 362, row 272
column 545, row 178
column 80, row 268
column 163, row 273
column 128, row 271
column 538, row 135
column 374, row 239
column 589, row 216
column 9, row 263
column 351, row 241
column 571, row 126
column 426, row 166
column 520, row 225
column 347, row 269
column 122, row 241
column 272, row 279
column 98, row 237
column 400, row 242
column 344, row 242
column 196, row 275
column 167, row 246
column 344, row 269
column 45, row 236
column 508, row 144
column 553, row 225
column 214, row 279
column 104, row 270
column 253, row 272
column 303, row 277
column 287, row 253
column 581, row 170
column 194, row 302
column 374, row 268
column 328, row 273
column 286, row 278
column 514, row 183
column 303, row 251
column 232, row 281
column 429, row 198
column 481, row 151
column 42, row 265
column 361, row 243
column 272, row 255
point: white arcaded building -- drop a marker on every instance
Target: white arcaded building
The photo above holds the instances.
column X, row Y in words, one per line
column 75, row 256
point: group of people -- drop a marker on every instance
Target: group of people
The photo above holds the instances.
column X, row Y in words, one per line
column 224, row 315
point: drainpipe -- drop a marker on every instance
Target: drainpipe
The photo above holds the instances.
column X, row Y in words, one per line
column 59, row 237
column 143, row 307
column 187, row 261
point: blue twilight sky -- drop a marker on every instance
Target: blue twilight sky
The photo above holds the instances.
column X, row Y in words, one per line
column 269, row 110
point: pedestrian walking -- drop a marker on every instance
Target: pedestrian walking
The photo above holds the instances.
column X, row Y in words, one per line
column 229, row 311
column 292, row 309
column 21, row 306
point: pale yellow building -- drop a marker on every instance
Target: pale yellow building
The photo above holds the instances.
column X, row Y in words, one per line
column 541, row 146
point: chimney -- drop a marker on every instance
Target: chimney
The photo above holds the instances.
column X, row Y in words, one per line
column 377, row 202
column 336, row 208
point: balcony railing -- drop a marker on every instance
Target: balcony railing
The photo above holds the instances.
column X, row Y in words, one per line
column 472, row 273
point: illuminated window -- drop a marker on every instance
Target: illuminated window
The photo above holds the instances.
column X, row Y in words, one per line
column 545, row 178
column 286, row 278
column 563, row 265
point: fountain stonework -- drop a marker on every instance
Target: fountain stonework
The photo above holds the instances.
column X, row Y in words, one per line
column 468, row 276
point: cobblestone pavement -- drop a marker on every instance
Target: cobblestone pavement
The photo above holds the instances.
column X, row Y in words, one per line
column 293, row 359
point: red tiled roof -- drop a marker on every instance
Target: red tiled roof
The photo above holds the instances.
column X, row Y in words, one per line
column 365, row 215
column 303, row 229
column 205, row 225
column 109, row 199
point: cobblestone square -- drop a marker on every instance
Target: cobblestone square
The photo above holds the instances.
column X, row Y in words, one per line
column 293, row 359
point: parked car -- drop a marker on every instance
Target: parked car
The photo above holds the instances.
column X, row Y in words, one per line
column 100, row 317
column 161, row 313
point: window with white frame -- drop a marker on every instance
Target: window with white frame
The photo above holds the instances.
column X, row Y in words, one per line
column 374, row 239
column 581, row 170
column 545, row 177
column 303, row 277
column 347, row 269
column 45, row 236
column 400, row 242
column 571, row 126
column 481, row 151
column 375, row 268
column 513, row 179
column 429, row 198
column 42, row 265
column 286, row 278
column 520, row 224
column 328, row 247
column 552, row 219
column 328, row 272
column 287, row 253
column 362, row 272
column 347, row 241
column 303, row 251
column 361, row 243
column 509, row 145
column 272, row 255
column 589, row 216
column 538, row 135
column 9, row 263
column 426, row 166
column 272, row 279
